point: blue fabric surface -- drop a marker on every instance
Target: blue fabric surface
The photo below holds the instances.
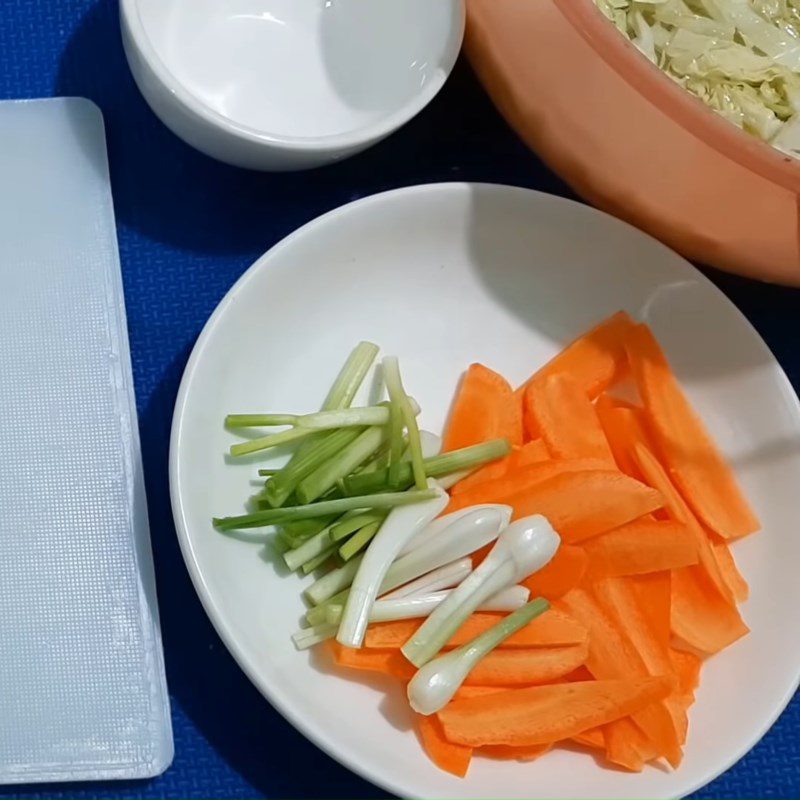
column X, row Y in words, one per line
column 188, row 227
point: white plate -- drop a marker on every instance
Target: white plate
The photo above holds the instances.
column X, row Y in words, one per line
column 444, row 275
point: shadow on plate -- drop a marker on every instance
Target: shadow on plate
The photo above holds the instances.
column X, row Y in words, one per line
column 393, row 705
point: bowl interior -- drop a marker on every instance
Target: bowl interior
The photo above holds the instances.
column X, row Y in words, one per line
column 317, row 68
column 442, row 276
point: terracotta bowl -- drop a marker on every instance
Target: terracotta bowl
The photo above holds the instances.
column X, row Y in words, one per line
column 632, row 142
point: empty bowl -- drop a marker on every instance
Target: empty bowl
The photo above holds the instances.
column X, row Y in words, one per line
column 289, row 84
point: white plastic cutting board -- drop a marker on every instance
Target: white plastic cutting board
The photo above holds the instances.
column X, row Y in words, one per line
column 82, row 687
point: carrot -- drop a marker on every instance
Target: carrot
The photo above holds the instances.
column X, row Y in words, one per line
column 453, row 758
column 624, row 427
column 607, row 400
column 613, row 656
column 525, row 666
column 584, row 504
column 388, row 662
column 561, row 412
column 551, row 628
column 592, row 738
column 656, row 476
column 733, row 579
column 465, row 692
column 531, row 453
column 485, row 408
column 543, row 714
column 701, row 617
column 596, row 359
column 626, row 745
column 563, row 573
column 687, row 667
column 617, row 597
column 639, row 547
column 513, row 483
column 700, row 470
column 653, row 592
column 506, row 752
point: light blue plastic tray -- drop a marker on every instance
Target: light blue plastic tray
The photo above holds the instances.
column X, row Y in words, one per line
column 82, row 688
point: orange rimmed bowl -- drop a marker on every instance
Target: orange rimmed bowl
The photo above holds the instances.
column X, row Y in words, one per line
column 632, row 142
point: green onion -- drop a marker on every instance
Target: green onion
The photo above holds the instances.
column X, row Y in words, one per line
column 434, row 685
column 356, row 543
column 400, row 526
column 340, row 465
column 259, row 420
column 320, row 420
column 308, row 637
column 316, row 563
column 334, row 582
column 354, row 523
column 306, row 528
column 277, row 516
column 341, row 395
column 346, row 418
column 436, row 467
column 523, row 548
column 352, row 375
column 318, row 614
column 400, row 401
column 268, row 473
column 273, row 440
column 309, row 549
column 306, row 461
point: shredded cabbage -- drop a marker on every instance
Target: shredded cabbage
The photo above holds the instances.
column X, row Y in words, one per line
column 740, row 57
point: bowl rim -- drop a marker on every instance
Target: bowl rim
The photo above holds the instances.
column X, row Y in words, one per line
column 131, row 19
column 678, row 104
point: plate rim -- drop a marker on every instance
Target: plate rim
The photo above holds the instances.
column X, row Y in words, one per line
column 181, row 528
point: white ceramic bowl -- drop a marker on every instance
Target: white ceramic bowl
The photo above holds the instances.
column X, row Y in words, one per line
column 289, row 84
column 441, row 276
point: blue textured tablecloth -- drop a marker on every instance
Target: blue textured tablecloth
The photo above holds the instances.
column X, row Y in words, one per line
column 188, row 227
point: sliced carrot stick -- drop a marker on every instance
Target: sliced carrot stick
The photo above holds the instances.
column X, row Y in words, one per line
column 734, row 579
column 700, row 616
column 617, row 597
column 521, row 481
column 563, row 573
column 531, row 453
column 654, row 594
column 543, row 714
column 596, row 359
column 687, row 667
column 453, row 758
column 639, row 547
column 613, row 656
column 626, row 745
column 485, row 408
column 584, row 504
column 624, row 427
column 578, row 675
column 701, row 472
column 526, row 666
column 389, row 662
column 592, row 738
column 507, row 753
column 656, row 476
column 551, row 628
column 562, row 414
column 607, row 400
column 465, row 692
